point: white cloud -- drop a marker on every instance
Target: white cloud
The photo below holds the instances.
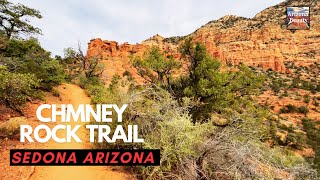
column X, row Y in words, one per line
column 66, row 22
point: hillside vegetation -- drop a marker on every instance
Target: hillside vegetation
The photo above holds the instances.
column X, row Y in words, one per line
column 206, row 122
column 26, row 69
column 211, row 120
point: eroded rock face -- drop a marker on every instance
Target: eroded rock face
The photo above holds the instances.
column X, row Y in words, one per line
column 118, row 58
column 259, row 41
column 115, row 57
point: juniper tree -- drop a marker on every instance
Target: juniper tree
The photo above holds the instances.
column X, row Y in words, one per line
column 215, row 88
column 156, row 67
column 14, row 19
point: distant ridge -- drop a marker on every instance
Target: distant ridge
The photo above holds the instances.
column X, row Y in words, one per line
column 262, row 40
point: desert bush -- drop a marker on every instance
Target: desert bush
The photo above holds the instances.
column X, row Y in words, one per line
column 313, row 134
column 55, row 92
column 176, row 148
column 77, row 63
column 94, row 88
column 293, row 109
column 15, row 88
column 50, row 74
column 11, row 127
column 85, row 82
column 231, row 159
column 27, row 56
column 296, row 140
column 277, row 85
column 303, row 110
column 285, row 94
column 156, row 67
column 197, row 151
column 288, row 109
column 314, row 87
column 128, row 74
column 236, row 152
column 306, row 98
column 99, row 92
column 158, row 115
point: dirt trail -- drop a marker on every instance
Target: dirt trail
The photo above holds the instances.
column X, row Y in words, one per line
column 72, row 94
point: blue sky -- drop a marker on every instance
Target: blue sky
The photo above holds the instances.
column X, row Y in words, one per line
column 65, row 22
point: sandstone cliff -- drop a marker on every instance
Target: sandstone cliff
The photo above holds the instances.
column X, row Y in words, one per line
column 259, row 41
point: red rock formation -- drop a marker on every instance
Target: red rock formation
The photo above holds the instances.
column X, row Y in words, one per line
column 261, row 41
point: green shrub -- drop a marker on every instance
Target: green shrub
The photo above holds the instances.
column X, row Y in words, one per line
column 55, row 92
column 126, row 73
column 11, row 127
column 39, row 95
column 15, row 88
column 27, row 56
column 306, row 98
column 303, row 110
column 277, row 84
column 52, row 74
column 156, row 67
column 288, row 109
column 129, row 75
column 175, row 147
column 313, row 134
column 214, row 88
column 85, row 82
column 293, row 109
column 98, row 91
